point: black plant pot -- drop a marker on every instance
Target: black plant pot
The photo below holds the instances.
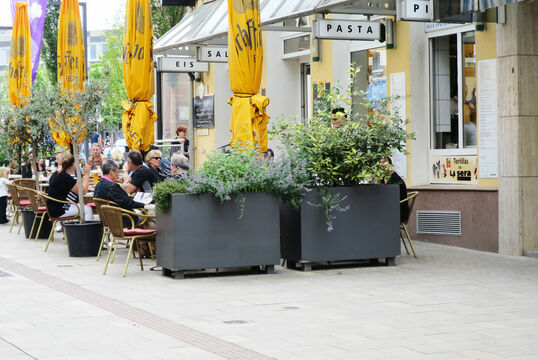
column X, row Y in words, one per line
column 83, row 239
column 28, row 219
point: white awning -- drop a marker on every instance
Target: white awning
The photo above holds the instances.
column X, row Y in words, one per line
column 208, row 24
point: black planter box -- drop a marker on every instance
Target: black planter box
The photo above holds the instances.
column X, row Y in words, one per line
column 368, row 230
column 83, row 240
column 200, row 232
column 27, row 221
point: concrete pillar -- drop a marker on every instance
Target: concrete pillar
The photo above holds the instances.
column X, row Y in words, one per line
column 517, row 70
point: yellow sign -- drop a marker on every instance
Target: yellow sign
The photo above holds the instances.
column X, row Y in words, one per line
column 245, row 61
column 454, row 169
column 20, row 63
column 138, row 74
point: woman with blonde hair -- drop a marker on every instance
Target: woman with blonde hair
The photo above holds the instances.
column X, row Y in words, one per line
column 153, row 160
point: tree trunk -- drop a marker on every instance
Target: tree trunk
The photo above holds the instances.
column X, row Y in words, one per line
column 33, row 164
column 79, row 182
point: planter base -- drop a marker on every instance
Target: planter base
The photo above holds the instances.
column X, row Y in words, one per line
column 308, row 266
column 180, row 274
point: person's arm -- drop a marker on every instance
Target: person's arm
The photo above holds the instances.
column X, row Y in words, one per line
column 129, row 188
column 85, row 181
column 121, row 198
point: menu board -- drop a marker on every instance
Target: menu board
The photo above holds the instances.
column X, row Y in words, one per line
column 488, row 142
column 204, row 112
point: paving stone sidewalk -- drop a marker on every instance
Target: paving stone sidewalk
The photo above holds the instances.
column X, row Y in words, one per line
column 450, row 303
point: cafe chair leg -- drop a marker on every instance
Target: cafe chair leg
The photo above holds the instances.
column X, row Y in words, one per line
column 20, row 226
column 51, row 235
column 15, row 219
column 409, row 240
column 33, row 226
column 129, row 257
column 403, row 240
column 109, row 253
column 105, row 235
column 139, row 257
column 39, row 227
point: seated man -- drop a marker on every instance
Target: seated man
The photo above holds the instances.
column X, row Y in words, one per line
column 142, row 178
column 108, row 189
column 96, row 159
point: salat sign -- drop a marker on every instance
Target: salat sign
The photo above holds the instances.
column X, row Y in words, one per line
column 213, row 54
column 348, row 30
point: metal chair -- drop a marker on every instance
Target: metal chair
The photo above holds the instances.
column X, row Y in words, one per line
column 18, row 204
column 106, row 231
column 403, row 225
column 55, row 220
column 39, row 210
column 114, row 219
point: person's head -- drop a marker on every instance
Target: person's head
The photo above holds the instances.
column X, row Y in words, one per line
column 153, row 158
column 269, row 155
column 68, row 163
column 117, row 154
column 181, row 131
column 30, row 155
column 179, row 162
column 96, row 150
column 60, row 156
column 338, row 117
column 110, row 169
column 4, row 172
column 385, row 161
column 134, row 160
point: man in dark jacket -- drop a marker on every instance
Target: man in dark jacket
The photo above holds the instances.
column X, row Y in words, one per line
column 109, row 189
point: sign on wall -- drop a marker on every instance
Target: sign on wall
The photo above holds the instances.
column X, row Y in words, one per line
column 488, row 142
column 213, row 54
column 204, row 112
column 178, row 64
column 454, row 170
column 348, row 30
column 414, row 10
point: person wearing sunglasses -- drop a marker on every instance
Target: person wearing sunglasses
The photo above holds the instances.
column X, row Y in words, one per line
column 153, row 160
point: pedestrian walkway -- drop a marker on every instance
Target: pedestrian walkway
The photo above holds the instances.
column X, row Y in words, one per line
column 450, row 303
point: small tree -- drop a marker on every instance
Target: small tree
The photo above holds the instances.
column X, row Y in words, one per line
column 75, row 113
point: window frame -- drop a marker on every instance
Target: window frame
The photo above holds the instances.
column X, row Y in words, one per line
column 460, row 151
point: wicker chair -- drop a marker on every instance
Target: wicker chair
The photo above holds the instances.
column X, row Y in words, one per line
column 18, row 204
column 106, row 231
column 114, row 220
column 55, row 220
column 39, row 210
column 403, row 225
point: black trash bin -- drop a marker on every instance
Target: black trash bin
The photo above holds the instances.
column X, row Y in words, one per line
column 27, row 221
column 83, row 239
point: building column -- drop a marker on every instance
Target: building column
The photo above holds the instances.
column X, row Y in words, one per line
column 517, row 71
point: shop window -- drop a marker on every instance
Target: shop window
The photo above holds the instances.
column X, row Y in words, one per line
column 453, row 91
column 296, row 46
column 176, row 97
column 372, row 78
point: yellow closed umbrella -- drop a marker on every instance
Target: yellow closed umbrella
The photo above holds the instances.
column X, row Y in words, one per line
column 245, row 61
column 20, row 63
column 138, row 74
column 71, row 61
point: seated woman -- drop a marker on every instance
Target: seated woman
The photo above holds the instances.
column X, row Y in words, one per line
column 153, row 160
column 63, row 186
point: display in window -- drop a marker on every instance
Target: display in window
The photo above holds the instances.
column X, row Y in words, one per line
column 454, row 169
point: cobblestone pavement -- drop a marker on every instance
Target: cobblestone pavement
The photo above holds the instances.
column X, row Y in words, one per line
column 450, row 303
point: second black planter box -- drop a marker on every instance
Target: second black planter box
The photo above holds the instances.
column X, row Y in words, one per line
column 200, row 232
column 369, row 229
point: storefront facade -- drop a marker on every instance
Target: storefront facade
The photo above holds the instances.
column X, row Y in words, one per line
column 461, row 161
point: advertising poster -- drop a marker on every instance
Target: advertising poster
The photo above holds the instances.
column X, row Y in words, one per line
column 454, row 170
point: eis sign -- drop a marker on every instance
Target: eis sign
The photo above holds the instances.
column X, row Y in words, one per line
column 348, row 30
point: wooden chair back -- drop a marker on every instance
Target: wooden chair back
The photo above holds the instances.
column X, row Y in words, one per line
column 14, row 194
column 114, row 220
column 30, row 194
column 98, row 204
column 26, row 183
